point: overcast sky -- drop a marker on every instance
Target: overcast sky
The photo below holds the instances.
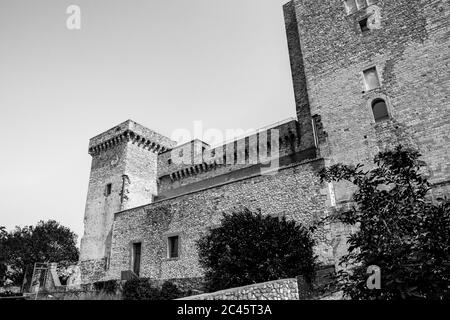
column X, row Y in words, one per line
column 161, row 63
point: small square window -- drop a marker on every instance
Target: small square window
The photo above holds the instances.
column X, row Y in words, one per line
column 108, row 189
column 169, row 162
column 361, row 4
column 353, row 6
column 173, row 244
column 350, row 6
column 364, row 25
column 371, row 79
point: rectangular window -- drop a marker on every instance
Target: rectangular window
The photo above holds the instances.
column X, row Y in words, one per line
column 137, row 258
column 371, row 79
column 351, row 6
column 360, row 4
column 364, row 25
column 173, row 243
column 108, row 189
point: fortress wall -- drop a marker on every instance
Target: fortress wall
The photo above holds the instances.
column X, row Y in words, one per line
column 217, row 175
column 295, row 191
column 200, row 167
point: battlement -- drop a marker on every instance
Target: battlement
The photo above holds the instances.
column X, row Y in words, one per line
column 196, row 163
column 130, row 131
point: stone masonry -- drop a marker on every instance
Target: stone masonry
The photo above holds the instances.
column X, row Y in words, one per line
column 294, row 192
column 347, row 57
column 286, row 289
column 408, row 41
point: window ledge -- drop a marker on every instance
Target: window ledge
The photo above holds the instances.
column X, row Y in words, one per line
column 172, row 259
column 382, row 122
column 374, row 90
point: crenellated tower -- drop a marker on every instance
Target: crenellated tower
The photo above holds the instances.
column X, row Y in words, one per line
column 123, row 175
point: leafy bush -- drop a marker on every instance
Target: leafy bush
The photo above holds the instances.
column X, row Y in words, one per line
column 250, row 248
column 169, row 291
column 8, row 293
column 3, row 256
column 400, row 230
column 108, row 287
column 142, row 289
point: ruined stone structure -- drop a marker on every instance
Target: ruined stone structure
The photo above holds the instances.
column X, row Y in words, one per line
column 367, row 75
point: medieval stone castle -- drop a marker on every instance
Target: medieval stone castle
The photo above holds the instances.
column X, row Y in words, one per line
column 367, row 75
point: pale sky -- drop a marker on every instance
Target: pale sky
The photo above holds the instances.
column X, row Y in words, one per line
column 161, row 63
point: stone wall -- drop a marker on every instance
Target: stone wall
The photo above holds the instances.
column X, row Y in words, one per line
column 286, row 289
column 295, row 192
column 408, row 41
column 92, row 270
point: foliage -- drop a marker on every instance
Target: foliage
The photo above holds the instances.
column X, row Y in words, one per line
column 142, row 289
column 46, row 242
column 3, row 256
column 170, row 291
column 108, row 287
column 250, row 248
column 81, row 295
column 399, row 229
column 9, row 293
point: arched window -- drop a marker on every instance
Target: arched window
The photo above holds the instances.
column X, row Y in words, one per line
column 380, row 110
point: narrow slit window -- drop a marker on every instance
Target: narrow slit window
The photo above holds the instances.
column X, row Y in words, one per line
column 137, row 258
column 380, row 110
column 371, row 79
column 108, row 189
column 364, row 25
column 173, row 244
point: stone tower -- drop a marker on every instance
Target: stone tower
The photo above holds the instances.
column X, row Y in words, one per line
column 373, row 74
column 123, row 175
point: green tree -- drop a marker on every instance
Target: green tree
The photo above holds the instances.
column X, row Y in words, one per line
column 46, row 242
column 3, row 255
column 399, row 229
column 251, row 248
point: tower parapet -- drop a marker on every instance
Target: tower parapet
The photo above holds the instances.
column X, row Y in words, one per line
column 130, row 131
